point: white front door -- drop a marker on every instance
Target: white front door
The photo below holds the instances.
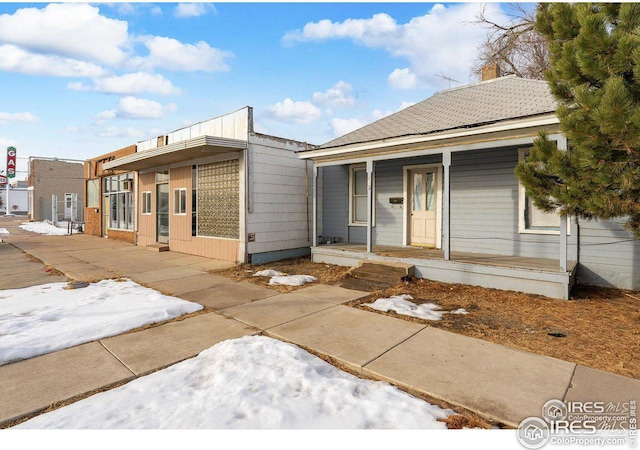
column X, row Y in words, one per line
column 423, row 199
column 70, row 206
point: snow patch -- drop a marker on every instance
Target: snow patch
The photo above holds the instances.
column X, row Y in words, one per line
column 254, row 382
column 44, row 228
column 292, row 280
column 401, row 305
column 268, row 273
column 4, row 231
column 42, row 319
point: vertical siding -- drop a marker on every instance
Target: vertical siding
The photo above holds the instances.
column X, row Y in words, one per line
column 609, row 255
column 146, row 222
column 484, row 207
column 280, row 196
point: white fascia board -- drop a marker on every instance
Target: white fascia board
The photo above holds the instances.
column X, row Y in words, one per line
column 550, row 119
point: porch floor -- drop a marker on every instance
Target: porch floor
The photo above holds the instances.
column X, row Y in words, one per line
column 517, row 262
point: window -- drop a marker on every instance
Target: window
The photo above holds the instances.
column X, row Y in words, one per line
column 358, row 196
column 180, row 201
column 218, row 199
column 93, row 193
column 194, row 200
column 118, row 188
column 532, row 219
column 146, row 202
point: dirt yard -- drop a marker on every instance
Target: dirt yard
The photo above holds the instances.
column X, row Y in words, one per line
column 600, row 327
column 325, row 273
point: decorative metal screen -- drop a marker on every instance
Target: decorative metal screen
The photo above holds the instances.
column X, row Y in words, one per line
column 219, row 199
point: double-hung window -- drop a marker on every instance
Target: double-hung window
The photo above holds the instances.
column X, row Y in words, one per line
column 358, row 195
column 531, row 219
column 146, row 202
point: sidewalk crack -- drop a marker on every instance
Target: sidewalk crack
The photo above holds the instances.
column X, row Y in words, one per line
column 119, row 360
column 391, row 348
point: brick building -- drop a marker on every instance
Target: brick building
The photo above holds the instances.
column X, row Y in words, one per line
column 110, row 198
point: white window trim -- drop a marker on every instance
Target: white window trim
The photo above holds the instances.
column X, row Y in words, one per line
column 148, row 213
column 352, row 169
column 522, row 206
column 176, row 206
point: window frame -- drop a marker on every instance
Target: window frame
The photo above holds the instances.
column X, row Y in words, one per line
column 121, row 202
column 523, row 202
column 146, row 203
column 352, row 222
column 180, row 201
column 95, row 188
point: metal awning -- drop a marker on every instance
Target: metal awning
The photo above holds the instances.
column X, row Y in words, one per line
column 198, row 147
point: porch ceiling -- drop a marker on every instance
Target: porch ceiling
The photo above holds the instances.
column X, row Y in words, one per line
column 177, row 152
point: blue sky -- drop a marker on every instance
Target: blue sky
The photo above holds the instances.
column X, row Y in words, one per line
column 79, row 80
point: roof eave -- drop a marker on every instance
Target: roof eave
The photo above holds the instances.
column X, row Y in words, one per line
column 505, row 125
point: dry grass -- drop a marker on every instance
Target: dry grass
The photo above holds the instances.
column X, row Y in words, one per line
column 325, row 273
column 602, row 326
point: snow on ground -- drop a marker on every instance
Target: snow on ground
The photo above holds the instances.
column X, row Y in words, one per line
column 401, row 305
column 284, row 279
column 251, row 382
column 46, row 318
column 44, row 228
column 268, row 273
column 292, row 280
column 4, row 231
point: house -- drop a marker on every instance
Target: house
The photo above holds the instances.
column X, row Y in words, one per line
column 18, row 197
column 62, row 178
column 219, row 189
column 433, row 186
column 109, row 200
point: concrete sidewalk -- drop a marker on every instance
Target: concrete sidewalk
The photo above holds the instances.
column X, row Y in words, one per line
column 500, row 383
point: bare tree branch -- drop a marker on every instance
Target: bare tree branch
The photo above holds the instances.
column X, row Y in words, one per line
column 516, row 46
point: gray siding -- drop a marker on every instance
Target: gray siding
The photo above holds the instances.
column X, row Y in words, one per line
column 484, row 207
column 609, row 255
column 335, row 198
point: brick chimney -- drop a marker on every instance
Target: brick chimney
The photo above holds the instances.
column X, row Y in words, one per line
column 491, row 71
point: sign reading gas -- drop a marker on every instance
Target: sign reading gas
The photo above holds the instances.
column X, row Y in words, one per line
column 11, row 162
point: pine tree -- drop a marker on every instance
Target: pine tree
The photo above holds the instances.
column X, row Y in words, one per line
column 594, row 75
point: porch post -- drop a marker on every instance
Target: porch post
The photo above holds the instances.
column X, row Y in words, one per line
column 314, row 239
column 446, row 222
column 369, row 205
column 563, row 243
column 562, row 145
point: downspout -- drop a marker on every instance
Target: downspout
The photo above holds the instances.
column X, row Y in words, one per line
column 306, row 187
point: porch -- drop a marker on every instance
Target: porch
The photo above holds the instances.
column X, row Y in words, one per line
column 542, row 276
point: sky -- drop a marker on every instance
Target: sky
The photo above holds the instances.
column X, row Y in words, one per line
column 79, row 80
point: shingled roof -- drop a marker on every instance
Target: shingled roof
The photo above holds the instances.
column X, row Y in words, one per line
column 468, row 106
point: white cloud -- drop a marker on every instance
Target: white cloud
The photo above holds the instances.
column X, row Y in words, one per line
column 172, row 54
column 17, row 117
column 70, row 129
column 338, row 96
column 129, row 84
column 442, row 41
column 403, row 79
column 14, row 59
column 135, row 108
column 156, row 11
column 340, row 127
column 72, row 30
column 289, row 111
column 185, row 10
column 115, row 132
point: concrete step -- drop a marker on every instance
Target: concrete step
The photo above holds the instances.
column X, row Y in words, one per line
column 158, row 247
column 383, row 273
